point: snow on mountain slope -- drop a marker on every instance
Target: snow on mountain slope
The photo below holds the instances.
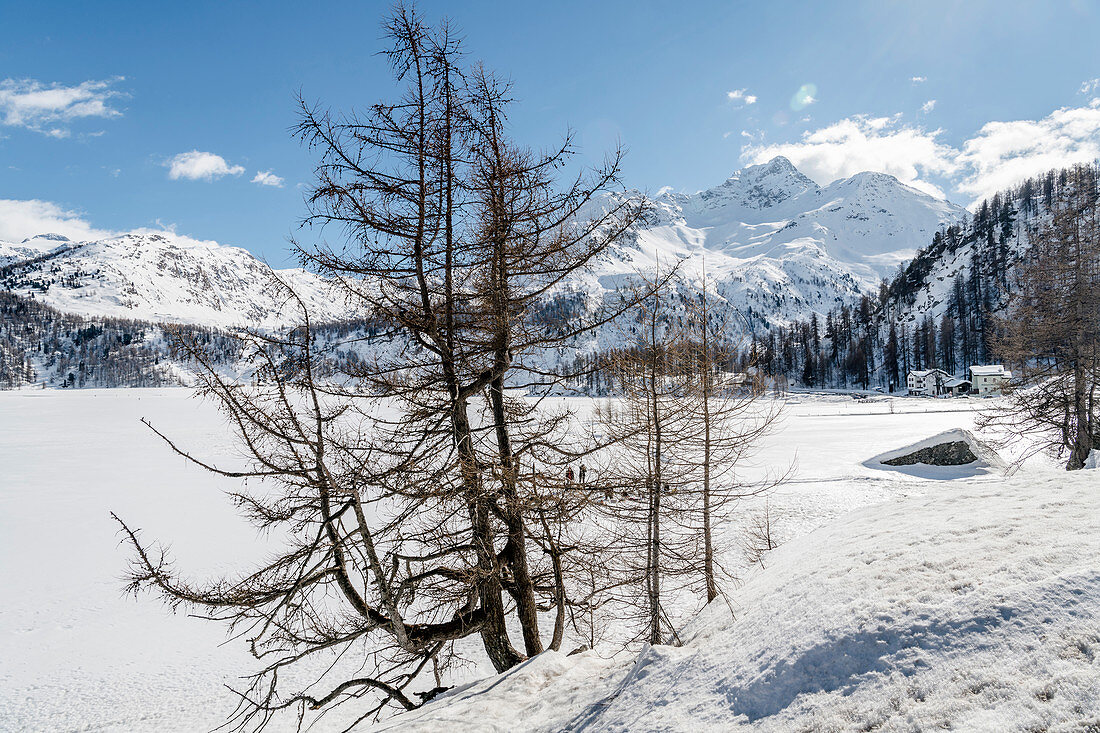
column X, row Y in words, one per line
column 775, row 242
column 32, row 247
column 985, row 254
column 159, row 276
column 972, row 607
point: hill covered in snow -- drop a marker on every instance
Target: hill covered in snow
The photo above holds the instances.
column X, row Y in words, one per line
column 776, row 245
column 159, row 277
column 772, row 242
column 944, row 307
column 974, row 606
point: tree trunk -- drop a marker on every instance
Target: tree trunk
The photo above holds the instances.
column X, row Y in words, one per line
column 1082, row 438
column 490, row 590
column 524, row 594
column 708, row 545
column 655, row 496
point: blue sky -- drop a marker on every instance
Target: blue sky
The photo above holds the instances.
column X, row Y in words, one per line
column 98, row 100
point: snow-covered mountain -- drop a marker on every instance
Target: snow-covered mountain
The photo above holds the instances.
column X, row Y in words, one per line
column 776, row 244
column 159, row 277
column 33, row 247
column 771, row 241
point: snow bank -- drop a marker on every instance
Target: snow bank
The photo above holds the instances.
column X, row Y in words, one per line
column 974, row 608
column 551, row 686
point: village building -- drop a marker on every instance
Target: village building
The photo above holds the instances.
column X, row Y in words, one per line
column 930, row 382
column 989, row 379
column 957, row 386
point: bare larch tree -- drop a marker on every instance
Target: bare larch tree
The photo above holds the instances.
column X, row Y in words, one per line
column 422, row 502
column 726, row 416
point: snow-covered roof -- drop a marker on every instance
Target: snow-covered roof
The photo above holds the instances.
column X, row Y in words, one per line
column 991, row 370
column 926, row 372
column 955, row 382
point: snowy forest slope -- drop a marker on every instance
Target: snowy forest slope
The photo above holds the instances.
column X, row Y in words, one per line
column 939, row 310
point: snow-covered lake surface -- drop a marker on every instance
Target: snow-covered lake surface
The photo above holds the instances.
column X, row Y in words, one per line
column 916, row 604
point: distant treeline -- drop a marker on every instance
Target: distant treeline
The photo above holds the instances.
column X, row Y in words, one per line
column 41, row 345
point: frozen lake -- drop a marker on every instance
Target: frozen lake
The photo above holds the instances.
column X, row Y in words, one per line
column 80, row 655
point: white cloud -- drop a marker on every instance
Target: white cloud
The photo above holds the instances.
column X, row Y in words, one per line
column 267, row 178
column 864, row 143
column 1090, row 86
column 20, row 220
column 928, row 106
column 998, row 156
column 918, row 79
column 742, row 96
column 1004, row 153
column 196, row 165
column 48, row 108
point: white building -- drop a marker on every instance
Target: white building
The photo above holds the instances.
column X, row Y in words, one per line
column 931, row 382
column 957, row 386
column 990, row 379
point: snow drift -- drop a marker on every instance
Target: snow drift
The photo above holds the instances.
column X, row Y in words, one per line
column 974, row 608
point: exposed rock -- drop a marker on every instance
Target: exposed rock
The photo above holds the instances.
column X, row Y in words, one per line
column 951, row 454
column 956, row 453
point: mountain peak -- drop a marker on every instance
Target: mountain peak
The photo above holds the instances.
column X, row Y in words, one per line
column 883, row 186
column 780, row 163
column 873, row 178
column 777, row 166
column 50, row 236
column 761, row 186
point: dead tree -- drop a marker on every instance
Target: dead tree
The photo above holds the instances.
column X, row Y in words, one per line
column 760, row 537
column 641, row 483
column 726, row 417
column 682, row 429
column 422, row 500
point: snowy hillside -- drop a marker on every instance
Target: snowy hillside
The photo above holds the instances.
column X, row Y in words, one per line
column 159, row 276
column 30, row 248
column 972, row 607
column 980, row 256
column 944, row 307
